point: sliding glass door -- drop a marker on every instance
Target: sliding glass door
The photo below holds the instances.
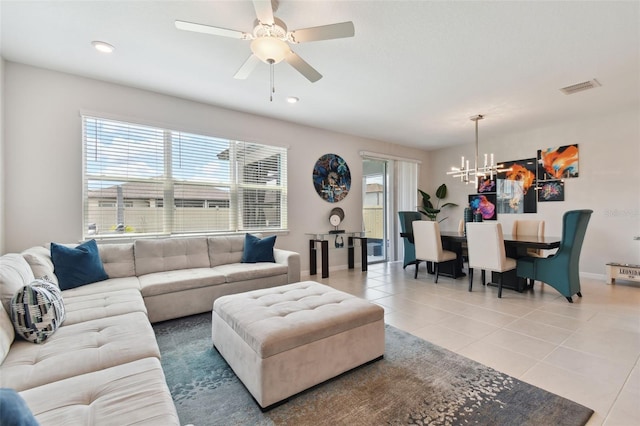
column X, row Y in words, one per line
column 375, row 208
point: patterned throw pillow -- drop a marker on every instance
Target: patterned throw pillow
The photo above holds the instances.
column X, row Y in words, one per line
column 37, row 310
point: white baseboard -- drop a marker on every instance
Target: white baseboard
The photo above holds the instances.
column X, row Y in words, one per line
column 602, row 277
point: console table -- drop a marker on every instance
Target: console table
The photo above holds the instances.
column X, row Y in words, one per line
column 323, row 238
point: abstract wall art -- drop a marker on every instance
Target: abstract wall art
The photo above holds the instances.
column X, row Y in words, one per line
column 516, row 187
column 486, row 184
column 331, row 178
column 558, row 163
column 484, row 204
column 550, row 190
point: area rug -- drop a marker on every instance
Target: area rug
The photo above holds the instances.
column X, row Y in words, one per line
column 415, row 383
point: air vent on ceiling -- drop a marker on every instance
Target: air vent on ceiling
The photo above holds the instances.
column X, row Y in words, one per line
column 585, row 85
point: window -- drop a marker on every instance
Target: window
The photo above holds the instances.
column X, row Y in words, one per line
column 152, row 181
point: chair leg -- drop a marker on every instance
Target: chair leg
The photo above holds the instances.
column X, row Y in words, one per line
column 484, row 277
column 500, row 286
column 415, row 276
column 436, row 270
column 470, row 278
column 570, row 299
column 579, row 294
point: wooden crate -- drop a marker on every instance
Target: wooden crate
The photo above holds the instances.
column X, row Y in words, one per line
column 623, row 271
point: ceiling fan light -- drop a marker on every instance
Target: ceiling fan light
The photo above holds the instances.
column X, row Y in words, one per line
column 270, row 49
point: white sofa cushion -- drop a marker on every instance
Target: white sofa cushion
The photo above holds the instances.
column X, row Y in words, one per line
column 78, row 349
column 131, row 393
column 15, row 273
column 226, row 249
column 112, row 284
column 170, row 254
column 118, row 260
column 240, row 272
column 180, row 280
column 7, row 334
column 88, row 307
column 39, row 258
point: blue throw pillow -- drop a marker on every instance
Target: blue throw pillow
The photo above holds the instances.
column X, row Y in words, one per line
column 13, row 410
column 77, row 266
column 258, row 250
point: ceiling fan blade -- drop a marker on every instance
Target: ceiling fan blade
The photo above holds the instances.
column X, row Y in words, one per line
column 323, row 32
column 264, row 11
column 303, row 68
column 246, row 68
column 208, row 29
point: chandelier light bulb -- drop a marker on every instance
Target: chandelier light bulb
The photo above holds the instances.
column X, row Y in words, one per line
column 464, row 172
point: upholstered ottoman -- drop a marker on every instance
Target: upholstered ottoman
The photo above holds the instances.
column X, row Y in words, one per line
column 283, row 340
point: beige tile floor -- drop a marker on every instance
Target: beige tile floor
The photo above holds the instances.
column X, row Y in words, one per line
column 588, row 351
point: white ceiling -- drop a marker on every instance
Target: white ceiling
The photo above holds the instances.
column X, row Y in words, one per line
column 413, row 74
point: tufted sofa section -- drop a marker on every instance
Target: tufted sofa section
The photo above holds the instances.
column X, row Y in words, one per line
column 102, row 365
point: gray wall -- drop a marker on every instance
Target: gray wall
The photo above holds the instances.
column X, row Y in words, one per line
column 609, row 180
column 43, row 165
column 2, row 175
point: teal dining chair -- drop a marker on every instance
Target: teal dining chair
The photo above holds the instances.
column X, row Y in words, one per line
column 560, row 270
column 406, row 231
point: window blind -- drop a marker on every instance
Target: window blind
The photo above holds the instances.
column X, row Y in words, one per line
column 143, row 180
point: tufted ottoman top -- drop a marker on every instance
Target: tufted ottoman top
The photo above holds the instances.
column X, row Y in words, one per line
column 280, row 318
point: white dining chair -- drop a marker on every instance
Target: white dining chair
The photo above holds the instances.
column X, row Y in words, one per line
column 485, row 243
column 426, row 237
column 533, row 228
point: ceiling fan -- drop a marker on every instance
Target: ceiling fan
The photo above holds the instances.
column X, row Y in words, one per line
column 271, row 39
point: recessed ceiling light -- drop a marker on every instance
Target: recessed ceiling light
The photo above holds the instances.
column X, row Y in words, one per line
column 292, row 99
column 103, row 47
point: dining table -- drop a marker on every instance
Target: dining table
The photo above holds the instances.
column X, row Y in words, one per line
column 516, row 246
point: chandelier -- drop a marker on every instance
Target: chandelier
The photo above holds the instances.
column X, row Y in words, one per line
column 468, row 175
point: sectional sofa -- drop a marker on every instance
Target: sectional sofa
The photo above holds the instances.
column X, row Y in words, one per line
column 101, row 366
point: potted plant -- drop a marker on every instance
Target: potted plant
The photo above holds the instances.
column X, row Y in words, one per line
column 428, row 209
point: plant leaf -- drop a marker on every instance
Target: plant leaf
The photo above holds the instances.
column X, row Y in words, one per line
column 449, row 204
column 432, row 211
column 431, row 216
column 425, row 196
column 441, row 192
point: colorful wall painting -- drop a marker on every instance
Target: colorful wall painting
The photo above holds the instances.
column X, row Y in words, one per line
column 331, row 178
column 558, row 163
column 516, row 188
column 486, row 184
column 484, row 204
column 550, row 190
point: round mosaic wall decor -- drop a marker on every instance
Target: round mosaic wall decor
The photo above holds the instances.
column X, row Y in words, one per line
column 331, row 178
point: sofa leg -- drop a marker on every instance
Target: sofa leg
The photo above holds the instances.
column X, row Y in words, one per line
column 470, row 278
column 579, row 294
column 569, row 299
column 415, row 276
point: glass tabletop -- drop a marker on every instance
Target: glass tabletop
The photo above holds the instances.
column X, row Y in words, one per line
column 324, row 235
